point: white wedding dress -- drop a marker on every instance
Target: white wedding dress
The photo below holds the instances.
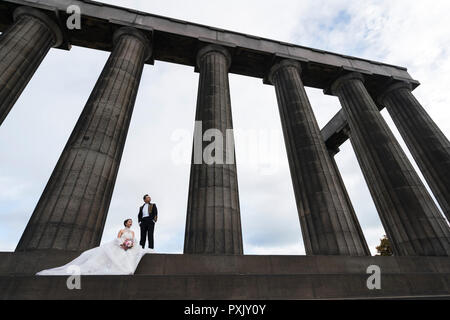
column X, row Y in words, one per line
column 107, row 259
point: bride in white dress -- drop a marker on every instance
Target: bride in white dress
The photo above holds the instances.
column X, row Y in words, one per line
column 110, row 258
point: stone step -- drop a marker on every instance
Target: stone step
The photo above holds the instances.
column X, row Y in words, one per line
column 28, row 263
column 166, row 264
column 190, row 276
column 223, row 287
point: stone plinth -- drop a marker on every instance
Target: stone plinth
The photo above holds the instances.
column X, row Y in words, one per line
column 192, row 276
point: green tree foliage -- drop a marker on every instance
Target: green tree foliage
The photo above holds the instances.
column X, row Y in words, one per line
column 384, row 249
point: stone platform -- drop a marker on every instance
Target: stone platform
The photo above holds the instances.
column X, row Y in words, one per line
column 189, row 276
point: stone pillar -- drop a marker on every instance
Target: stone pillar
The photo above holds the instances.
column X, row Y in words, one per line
column 328, row 226
column 71, row 212
column 22, row 48
column 213, row 222
column 428, row 145
column 332, row 153
column 411, row 219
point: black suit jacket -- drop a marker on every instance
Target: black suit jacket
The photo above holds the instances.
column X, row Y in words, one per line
column 153, row 214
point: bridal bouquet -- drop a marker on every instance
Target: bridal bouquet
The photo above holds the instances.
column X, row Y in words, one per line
column 127, row 244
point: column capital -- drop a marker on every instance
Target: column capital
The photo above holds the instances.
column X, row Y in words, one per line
column 391, row 88
column 130, row 31
column 335, row 86
column 44, row 18
column 283, row 64
column 213, row 48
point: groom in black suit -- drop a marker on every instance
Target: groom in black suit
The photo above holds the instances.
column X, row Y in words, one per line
column 148, row 215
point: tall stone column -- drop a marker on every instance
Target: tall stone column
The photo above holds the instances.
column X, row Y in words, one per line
column 411, row 219
column 428, row 145
column 22, row 48
column 332, row 153
column 72, row 210
column 213, row 222
column 328, row 227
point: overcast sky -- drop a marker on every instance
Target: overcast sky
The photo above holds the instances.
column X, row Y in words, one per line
column 157, row 154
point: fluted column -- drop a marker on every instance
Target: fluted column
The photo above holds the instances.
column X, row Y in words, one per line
column 332, row 153
column 428, row 145
column 22, row 48
column 328, row 224
column 213, row 223
column 410, row 218
column 72, row 210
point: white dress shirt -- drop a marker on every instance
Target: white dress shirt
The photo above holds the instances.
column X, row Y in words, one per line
column 145, row 210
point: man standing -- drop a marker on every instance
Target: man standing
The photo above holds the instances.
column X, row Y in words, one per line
column 148, row 215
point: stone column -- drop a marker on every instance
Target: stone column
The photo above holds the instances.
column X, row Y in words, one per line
column 328, row 226
column 72, row 210
column 428, row 145
column 332, row 153
column 411, row 219
column 22, row 48
column 213, row 222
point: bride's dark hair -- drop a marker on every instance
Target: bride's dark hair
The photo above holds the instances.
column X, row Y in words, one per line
column 125, row 222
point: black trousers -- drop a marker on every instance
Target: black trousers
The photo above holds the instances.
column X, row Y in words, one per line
column 147, row 228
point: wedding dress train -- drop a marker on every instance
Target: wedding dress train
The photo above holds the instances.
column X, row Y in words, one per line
column 107, row 259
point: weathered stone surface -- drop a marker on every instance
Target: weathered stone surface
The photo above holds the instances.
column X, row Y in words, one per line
column 428, row 145
column 328, row 224
column 22, row 48
column 411, row 219
column 336, row 131
column 175, row 40
column 213, row 222
column 332, row 153
column 187, row 276
column 227, row 287
column 30, row 262
column 72, row 210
